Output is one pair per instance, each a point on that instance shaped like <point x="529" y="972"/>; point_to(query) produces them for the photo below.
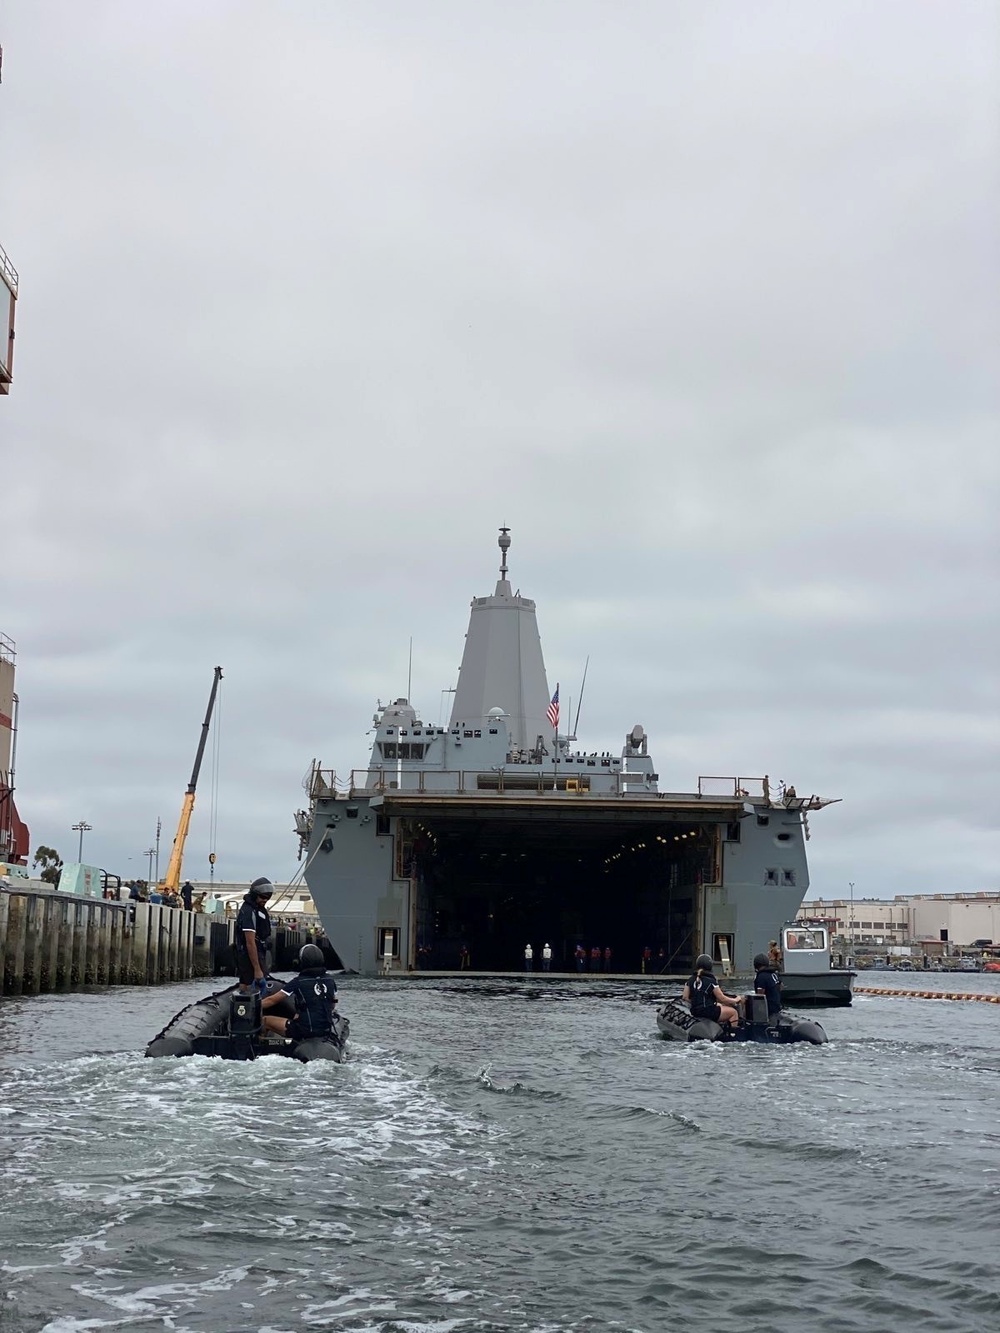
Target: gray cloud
<point x="702" y="303"/>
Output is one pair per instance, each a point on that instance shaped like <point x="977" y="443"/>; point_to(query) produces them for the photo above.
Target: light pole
<point x="851" y="886"/>
<point x="81" y="828"/>
<point x="150" y="853"/>
<point x="158" y="827"/>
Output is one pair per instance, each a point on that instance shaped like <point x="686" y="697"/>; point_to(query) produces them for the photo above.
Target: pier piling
<point x="51" y="941"/>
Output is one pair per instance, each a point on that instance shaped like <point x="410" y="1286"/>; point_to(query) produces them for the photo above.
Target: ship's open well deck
<point x="493" y="874"/>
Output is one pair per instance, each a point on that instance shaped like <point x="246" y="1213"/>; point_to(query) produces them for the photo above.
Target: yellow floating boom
<point x="928" y="994"/>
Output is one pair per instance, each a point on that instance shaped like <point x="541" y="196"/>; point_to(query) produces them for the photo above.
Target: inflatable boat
<point x="228" y="1024"/>
<point x="675" y="1021"/>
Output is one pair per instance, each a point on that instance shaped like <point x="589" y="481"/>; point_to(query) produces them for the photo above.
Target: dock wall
<point x="59" y="942"/>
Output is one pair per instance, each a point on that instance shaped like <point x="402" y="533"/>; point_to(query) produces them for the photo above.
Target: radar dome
<point x="496" y="712"/>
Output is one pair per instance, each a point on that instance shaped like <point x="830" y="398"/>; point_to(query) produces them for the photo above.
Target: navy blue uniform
<point x="252" y="916"/>
<point x="702" y="992"/>
<point x="766" y="979"/>
<point x="314" y="994"/>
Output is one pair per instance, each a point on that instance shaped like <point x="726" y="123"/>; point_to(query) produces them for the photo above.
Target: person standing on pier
<point x="529" y="958"/>
<point x="546" y="957"/>
<point x="580" y="954"/>
<point x="253" y="936"/>
<point x="595" y="958"/>
<point x="187" y="894"/>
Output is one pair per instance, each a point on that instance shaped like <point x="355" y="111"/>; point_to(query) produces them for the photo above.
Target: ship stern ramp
<point x="489" y="873"/>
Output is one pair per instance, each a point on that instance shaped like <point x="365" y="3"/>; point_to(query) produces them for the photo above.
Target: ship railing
<point x="451" y="782"/>
<point x="323" y="783"/>
<point x="753" y="789"/>
<point x="8" y="272"/>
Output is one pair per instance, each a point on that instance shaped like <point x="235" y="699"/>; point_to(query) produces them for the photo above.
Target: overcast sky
<point x="700" y="299"/>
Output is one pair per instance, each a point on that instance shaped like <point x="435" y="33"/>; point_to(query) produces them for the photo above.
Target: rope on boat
<point x="927" y="994"/>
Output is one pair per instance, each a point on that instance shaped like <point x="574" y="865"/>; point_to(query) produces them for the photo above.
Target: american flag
<point x="552" y="712"/>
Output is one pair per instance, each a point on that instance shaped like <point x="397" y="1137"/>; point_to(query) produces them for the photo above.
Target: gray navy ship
<point x="462" y="843"/>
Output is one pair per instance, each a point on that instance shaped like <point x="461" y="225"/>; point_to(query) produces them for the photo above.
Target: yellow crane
<point x="172" y="880"/>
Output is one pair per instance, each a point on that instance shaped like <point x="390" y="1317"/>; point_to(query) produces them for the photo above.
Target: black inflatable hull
<point x="204" y="1028"/>
<point x="675" y="1022"/>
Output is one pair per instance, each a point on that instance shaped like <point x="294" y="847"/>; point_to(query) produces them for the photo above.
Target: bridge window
<point x="733" y="831"/>
<point x="770" y="876"/>
<point x="788" y="877"/>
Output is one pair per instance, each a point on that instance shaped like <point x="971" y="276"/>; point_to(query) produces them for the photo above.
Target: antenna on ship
<point x="503" y="541"/>
<point x="409" y="674"/>
<point x="579" y="702"/>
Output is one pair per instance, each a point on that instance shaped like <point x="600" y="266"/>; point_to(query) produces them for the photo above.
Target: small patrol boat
<point x="228" y="1024"/>
<point x="676" y="1022"/>
<point x="807" y="973"/>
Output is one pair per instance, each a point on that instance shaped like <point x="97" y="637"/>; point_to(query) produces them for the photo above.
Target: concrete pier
<point x="51" y="941"/>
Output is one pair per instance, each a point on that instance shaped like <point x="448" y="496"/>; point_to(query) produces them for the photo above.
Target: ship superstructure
<point x="473" y="839"/>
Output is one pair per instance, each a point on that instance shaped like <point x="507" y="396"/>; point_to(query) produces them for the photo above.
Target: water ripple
<point x="499" y="1159"/>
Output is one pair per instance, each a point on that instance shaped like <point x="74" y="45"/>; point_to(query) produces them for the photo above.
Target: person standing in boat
<point x="767" y="981"/>
<point x="314" y="993"/>
<point x="706" y="997"/>
<point x="253" y="936"/>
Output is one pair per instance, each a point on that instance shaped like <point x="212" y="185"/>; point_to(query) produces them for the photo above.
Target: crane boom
<point x="172" y="880"/>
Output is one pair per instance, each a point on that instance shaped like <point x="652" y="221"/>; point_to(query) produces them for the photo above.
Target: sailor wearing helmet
<point x="253" y="937"/>
<point x="314" y="993"/>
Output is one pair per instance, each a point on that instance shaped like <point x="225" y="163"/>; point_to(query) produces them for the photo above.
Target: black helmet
<point x="261" y="888"/>
<point x="311" y="955"/>
<point x="760" y="960"/>
<point x="703" y="963"/>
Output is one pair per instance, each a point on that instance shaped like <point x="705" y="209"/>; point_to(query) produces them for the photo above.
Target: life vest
<point x="703" y="1001"/>
<point x="769" y="982"/>
<point x="314" y="994"/>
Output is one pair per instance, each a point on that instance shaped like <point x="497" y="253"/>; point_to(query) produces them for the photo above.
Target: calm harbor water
<point x="501" y="1157"/>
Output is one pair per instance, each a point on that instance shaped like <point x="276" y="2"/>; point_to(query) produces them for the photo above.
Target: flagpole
<point x="555" y="742"/>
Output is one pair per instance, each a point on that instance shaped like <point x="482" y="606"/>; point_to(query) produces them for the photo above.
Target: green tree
<point x="51" y="862"/>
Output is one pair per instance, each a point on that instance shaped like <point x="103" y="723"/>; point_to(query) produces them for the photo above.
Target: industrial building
<point x="958" y="919"/>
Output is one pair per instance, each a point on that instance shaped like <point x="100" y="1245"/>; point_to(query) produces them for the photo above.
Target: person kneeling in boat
<point x="706" y="998"/>
<point x="767" y="981"/>
<point x="314" y="994"/>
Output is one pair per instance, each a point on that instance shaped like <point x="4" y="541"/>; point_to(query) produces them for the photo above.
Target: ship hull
<point x="832" y="988"/>
<point x="410" y="881"/>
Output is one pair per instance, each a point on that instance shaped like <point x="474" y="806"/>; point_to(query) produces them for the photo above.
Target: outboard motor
<point x="244" y="1024"/>
<point x="244" y="1016"/>
<point x="757" y="1019"/>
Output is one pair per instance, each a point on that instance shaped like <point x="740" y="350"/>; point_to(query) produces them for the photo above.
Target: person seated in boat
<point x="767" y="981"/>
<point x="706" y="997"/>
<point x="314" y="993"/>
